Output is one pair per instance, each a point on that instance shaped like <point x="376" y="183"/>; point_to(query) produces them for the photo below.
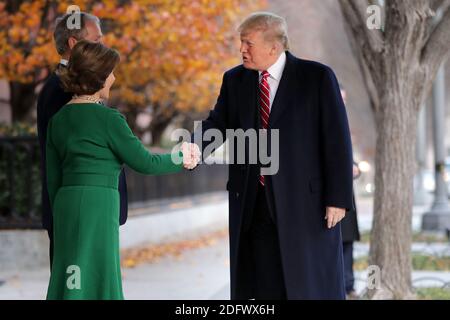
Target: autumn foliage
<point x="173" y="52"/>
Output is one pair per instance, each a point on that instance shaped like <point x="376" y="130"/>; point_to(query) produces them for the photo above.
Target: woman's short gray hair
<point x="273" y="26"/>
<point x="62" y="33"/>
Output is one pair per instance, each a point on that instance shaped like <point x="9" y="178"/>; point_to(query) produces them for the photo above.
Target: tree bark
<point x="399" y="65"/>
<point x="390" y="246"/>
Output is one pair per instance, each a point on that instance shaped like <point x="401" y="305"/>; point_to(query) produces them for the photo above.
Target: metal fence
<point x="203" y="179"/>
<point x="20" y="183"/>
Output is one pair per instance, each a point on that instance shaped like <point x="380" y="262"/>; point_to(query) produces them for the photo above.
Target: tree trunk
<point x="162" y="116"/>
<point x="22" y="100"/>
<point x="157" y="128"/>
<point x="399" y="63"/>
<point x="396" y="127"/>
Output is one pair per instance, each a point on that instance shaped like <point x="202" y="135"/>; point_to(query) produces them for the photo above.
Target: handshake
<point x="191" y="155"/>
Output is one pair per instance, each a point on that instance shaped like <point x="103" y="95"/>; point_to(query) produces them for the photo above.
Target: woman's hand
<point x="191" y="155"/>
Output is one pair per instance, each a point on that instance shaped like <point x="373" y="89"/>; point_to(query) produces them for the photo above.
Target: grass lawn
<point x="419" y="262"/>
<point x="433" y="293"/>
<point x="417" y="237"/>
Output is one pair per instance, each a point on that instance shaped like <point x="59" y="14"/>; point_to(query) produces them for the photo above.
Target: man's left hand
<point x="333" y="216"/>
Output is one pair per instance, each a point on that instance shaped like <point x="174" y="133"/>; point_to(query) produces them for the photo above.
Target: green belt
<point x="88" y="179"/>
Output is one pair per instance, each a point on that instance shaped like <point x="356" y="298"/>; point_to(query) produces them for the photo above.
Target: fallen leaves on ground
<point x="152" y="253"/>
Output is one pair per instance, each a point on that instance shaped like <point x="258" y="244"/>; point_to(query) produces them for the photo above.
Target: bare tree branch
<point x="367" y="45"/>
<point x="437" y="47"/>
<point x="406" y="25"/>
<point x="367" y="76"/>
<point x="354" y="12"/>
<point x="435" y="5"/>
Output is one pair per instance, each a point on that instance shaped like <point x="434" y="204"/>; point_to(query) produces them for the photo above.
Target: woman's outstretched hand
<point x="191" y="155"/>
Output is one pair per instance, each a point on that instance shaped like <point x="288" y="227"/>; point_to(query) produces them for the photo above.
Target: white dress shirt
<point x="275" y="72"/>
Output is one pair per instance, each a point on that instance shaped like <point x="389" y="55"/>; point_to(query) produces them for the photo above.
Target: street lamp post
<point x="420" y="194"/>
<point x="438" y="218"/>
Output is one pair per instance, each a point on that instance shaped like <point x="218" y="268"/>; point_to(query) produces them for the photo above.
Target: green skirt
<point x="86" y="261"/>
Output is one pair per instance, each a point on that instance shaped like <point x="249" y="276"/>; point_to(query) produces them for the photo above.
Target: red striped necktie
<point x="264" y="106"/>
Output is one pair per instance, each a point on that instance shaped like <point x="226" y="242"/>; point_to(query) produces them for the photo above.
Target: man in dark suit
<point x="52" y="97"/>
<point x="350" y="232"/>
<point x="285" y="236"/>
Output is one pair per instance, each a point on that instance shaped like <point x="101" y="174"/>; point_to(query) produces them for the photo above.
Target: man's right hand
<point x="191" y="155"/>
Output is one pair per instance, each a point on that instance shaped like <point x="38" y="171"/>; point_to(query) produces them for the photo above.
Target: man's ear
<point x="275" y="49"/>
<point x="72" y="42"/>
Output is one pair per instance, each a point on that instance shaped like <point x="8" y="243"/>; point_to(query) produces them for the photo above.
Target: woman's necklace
<point x="87" y="97"/>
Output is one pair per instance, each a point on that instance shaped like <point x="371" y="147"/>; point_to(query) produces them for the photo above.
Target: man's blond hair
<point x="273" y="27"/>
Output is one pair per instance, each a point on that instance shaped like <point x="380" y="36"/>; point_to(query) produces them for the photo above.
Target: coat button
<point x="237" y="194"/>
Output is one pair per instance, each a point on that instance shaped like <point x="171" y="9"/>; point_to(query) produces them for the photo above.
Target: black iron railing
<point x="204" y="179"/>
<point x="20" y="182"/>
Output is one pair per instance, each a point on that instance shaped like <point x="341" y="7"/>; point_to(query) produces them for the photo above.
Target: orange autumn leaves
<point x="25" y="43"/>
<point x="173" y="52"/>
<point x="153" y="253"/>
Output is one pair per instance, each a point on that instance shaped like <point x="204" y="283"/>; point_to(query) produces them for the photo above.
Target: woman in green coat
<point x="87" y="143"/>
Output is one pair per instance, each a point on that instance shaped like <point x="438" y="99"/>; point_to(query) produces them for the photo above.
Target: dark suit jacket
<point x="51" y="99"/>
<point x="315" y="171"/>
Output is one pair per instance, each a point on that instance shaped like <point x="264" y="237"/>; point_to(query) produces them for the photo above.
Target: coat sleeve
<point x="53" y="167"/>
<point x="129" y="149"/>
<point x="336" y="144"/>
<point x="217" y="118"/>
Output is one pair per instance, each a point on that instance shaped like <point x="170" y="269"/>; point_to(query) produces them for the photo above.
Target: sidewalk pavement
<point x="200" y="274"/>
<point x="195" y="274"/>
<point x="203" y="273"/>
<point x="364" y="206"/>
